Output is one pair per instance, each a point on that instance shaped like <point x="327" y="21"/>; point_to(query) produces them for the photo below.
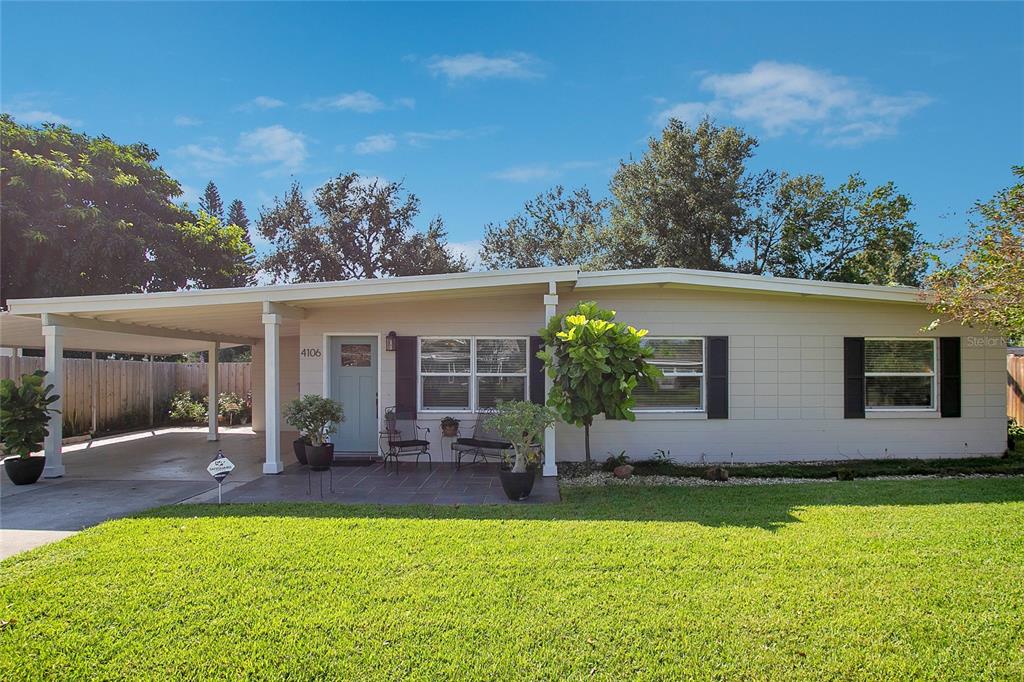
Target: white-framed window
<point x="899" y="374"/>
<point x="681" y="389"/>
<point x="471" y="373"/>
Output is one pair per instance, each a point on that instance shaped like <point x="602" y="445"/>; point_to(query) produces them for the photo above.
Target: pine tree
<point x="211" y="201"/>
<point x="236" y="214"/>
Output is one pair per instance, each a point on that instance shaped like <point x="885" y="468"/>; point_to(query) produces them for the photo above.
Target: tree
<point x="986" y="288"/>
<point x="555" y="228"/>
<point x="71" y="200"/>
<point x="237" y="215"/>
<point x="364" y="231"/>
<point x="595" y="363"/>
<point x="211" y="201"/>
<point x="427" y="253"/>
<point x="798" y="227"/>
<point x="683" y="203"/>
<point x="213" y="248"/>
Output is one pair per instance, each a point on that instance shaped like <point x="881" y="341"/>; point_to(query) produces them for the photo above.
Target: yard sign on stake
<point x="219" y="468"/>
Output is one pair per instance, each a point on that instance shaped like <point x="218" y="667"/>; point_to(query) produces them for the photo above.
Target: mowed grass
<point x="872" y="579"/>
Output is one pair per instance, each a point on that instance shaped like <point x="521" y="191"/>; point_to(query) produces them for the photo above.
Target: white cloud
<point x="469" y="249"/>
<point x="261" y="102"/>
<point x="425" y="138"/>
<point x="475" y="65"/>
<point x="186" y="121"/>
<point x="792" y="98"/>
<point x="275" y="145"/>
<point x="376" y="144"/>
<point x="34" y="109"/>
<point x="526" y="173"/>
<point x="209" y="157"/>
<point x="542" y="171"/>
<point x="360" y="101"/>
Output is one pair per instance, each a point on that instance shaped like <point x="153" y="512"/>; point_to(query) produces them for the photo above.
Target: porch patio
<point x="441" y="484"/>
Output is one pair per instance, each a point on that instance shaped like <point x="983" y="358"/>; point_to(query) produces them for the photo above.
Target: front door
<point x="354" y="384"/>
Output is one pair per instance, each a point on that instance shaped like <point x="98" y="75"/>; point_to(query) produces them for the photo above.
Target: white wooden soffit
<point x="73" y="322"/>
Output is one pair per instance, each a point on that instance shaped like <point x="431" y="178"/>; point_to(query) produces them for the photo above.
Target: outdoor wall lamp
<point x="391" y="341"/>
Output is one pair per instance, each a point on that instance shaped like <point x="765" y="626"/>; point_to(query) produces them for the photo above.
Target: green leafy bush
<point x="522" y="424"/>
<point x="25" y="413"/>
<point x="314" y="416"/>
<point x="229" y="406"/>
<point x="186" y="409"/>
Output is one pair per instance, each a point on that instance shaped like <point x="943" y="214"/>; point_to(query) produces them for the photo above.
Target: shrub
<point x="615" y="461"/>
<point x="522" y="424"/>
<point x="186" y="409"/>
<point x="1014" y="433"/>
<point x="25" y="413"/>
<point x="229" y="406"/>
<point x="314" y="416"/>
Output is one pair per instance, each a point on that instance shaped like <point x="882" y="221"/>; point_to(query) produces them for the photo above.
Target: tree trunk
<point x="520" y="466"/>
<point x="586" y="440"/>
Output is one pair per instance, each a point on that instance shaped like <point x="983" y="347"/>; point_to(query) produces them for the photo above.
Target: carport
<point x="57" y="333"/>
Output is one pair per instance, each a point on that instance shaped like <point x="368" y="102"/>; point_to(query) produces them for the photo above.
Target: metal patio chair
<point x="483" y="444"/>
<point x="403" y="438"/>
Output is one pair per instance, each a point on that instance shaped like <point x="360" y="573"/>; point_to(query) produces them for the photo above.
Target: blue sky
<point x="480" y="107"/>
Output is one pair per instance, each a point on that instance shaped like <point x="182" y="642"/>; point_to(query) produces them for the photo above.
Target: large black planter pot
<point x="300" y="449"/>
<point x="23" y="471"/>
<point x="517" y="486"/>
<point x="319" y="457"/>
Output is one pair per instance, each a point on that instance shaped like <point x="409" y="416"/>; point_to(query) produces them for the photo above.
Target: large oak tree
<point x="86" y="215"/>
<point x="361" y="229"/>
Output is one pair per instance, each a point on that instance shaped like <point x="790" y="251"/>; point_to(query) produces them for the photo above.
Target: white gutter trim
<point x="753" y="283"/>
<point x="283" y="293"/>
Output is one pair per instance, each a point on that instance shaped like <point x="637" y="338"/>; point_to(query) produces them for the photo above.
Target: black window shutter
<point x="853" y="374"/>
<point x="718" y="377"/>
<point x="405" y="377"/>
<point x="536" y="371"/>
<point x="949" y="376"/>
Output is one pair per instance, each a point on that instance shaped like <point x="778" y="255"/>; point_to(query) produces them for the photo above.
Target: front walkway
<point x="413" y="484"/>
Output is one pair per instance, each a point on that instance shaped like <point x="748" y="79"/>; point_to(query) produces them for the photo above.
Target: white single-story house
<point x="756" y="369"/>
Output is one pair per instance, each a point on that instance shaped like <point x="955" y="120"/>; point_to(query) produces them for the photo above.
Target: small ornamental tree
<point x="595" y="364"/>
<point x="314" y="416"/>
<point x="522" y="424"/>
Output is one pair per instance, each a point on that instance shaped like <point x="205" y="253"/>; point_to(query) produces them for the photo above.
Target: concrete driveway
<point x="119" y="476"/>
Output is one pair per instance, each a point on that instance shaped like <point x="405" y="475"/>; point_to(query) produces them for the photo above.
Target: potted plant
<point x="315" y="417"/>
<point x="24" y="415"/>
<point x="449" y="427"/>
<point x="522" y="424"/>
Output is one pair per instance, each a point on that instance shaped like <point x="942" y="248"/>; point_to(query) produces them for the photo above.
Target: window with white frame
<point x="681" y="361"/>
<point x="472" y="373"/>
<point x="899" y="374"/>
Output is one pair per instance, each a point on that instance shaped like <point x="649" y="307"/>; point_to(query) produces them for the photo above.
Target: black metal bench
<point x="483" y="444"/>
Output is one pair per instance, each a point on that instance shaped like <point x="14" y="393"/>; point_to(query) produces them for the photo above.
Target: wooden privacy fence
<point x="1015" y="387"/>
<point x="128" y="391"/>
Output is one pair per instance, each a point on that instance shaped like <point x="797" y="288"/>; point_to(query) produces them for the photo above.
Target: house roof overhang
<point x="175" y="321"/>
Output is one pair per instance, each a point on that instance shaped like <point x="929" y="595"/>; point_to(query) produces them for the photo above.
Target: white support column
<point x="550" y="310"/>
<point x="272" y="388"/>
<point x="94" y="395"/>
<point x="212" y="391"/>
<point x="54" y="365"/>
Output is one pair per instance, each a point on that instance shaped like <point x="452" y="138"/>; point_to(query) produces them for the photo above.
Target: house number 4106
<point x="310" y="352"/>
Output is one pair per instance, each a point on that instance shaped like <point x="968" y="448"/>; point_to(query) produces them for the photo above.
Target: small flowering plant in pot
<point x="522" y="424"/>
<point x="25" y="414"/>
<point x="449" y="427"/>
<point x="315" y="417"/>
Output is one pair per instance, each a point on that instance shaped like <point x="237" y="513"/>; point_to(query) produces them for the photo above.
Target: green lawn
<point x="870" y="579"/>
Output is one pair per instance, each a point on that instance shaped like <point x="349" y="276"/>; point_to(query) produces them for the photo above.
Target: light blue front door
<point x="354" y="384"/>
